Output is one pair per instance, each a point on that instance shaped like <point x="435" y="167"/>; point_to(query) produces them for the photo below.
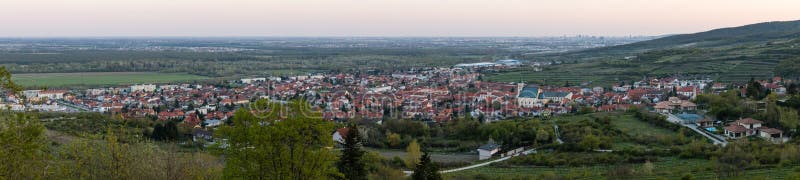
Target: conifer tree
<point x="426" y="169"/>
<point x="351" y="163"/>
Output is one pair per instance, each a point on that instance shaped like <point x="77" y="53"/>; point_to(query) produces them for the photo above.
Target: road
<point x="533" y="150"/>
<point x="558" y="136"/>
<point x="717" y="139"/>
<point x="73" y="106"/>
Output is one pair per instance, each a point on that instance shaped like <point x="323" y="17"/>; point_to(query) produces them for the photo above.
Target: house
<point x="705" y="122"/>
<point x="742" y="128"/>
<point x="718" y="87"/>
<point x="674" y="103"/>
<point x="212" y="123"/>
<point x="771" y="134"/>
<point x="688" y="91"/>
<point x="340" y="134"/>
<point x="202" y="134"/>
<point x="487" y="150"/>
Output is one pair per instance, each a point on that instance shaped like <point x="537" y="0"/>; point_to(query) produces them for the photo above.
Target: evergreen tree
<point x="350" y="163"/>
<point x="674" y="91"/>
<point x="158" y="132"/>
<point x="426" y="169"/>
<point x="171" y="131"/>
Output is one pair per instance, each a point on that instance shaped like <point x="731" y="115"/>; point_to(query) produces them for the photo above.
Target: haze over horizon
<point x="93" y="18"/>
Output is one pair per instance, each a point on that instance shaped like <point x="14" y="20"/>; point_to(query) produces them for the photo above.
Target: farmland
<point x="100" y="78"/>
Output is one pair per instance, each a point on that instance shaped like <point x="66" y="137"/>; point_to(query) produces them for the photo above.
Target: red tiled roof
<point x="736" y="128"/>
<point x="343" y="132"/>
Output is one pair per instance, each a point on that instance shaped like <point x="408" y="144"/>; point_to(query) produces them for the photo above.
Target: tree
<point x="393" y="139"/>
<point x="23" y="152"/>
<point x="590" y="142"/>
<point x="755" y="90"/>
<point x="412" y="154"/>
<point x="6" y="82"/>
<point x="542" y="135"/>
<point x="351" y="163"/>
<point x="166" y="132"/>
<point x="426" y="169"/>
<point x="788" y="118"/>
<point x="289" y="145"/>
<point x="23" y="144"/>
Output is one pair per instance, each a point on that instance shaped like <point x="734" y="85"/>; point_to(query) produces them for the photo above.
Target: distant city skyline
<point x="528" y="18"/>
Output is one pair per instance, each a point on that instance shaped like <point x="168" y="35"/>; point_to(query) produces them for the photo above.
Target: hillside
<point x="727" y="54"/>
<point x="742" y="35"/>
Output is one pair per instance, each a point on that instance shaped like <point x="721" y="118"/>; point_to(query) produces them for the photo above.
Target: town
<point x="432" y="95"/>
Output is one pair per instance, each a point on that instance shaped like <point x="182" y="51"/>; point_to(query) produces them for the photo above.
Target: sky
<point x="88" y="18"/>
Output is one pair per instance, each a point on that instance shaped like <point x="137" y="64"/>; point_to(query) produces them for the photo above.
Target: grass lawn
<point x="100" y="78"/>
<point x="634" y="127"/>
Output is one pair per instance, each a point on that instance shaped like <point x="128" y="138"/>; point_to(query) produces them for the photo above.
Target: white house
<point x="487" y="150"/>
<point x="742" y="128"/>
<point x="340" y="134"/>
<point x="212" y="123"/>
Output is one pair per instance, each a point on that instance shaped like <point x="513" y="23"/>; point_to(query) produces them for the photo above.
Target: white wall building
<point x="143" y="87"/>
<point x="486" y="151"/>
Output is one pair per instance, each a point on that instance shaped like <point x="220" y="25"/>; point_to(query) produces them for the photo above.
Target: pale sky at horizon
<point x="49" y="18"/>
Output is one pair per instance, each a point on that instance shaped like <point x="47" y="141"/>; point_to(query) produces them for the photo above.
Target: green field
<point x="100" y="78"/>
<point x="634" y="127"/>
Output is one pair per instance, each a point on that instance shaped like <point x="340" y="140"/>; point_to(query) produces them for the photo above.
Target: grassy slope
<point x="726" y="55"/>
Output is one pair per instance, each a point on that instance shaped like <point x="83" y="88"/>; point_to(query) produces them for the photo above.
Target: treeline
<point x="29" y="153"/>
<point x="257" y="62"/>
<point x="459" y="135"/>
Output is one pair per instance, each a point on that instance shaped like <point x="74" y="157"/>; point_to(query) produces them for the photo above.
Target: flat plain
<point x="100" y="78"/>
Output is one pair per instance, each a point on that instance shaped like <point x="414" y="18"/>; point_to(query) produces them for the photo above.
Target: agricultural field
<point x="39" y="80"/>
<point x="560" y="75"/>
